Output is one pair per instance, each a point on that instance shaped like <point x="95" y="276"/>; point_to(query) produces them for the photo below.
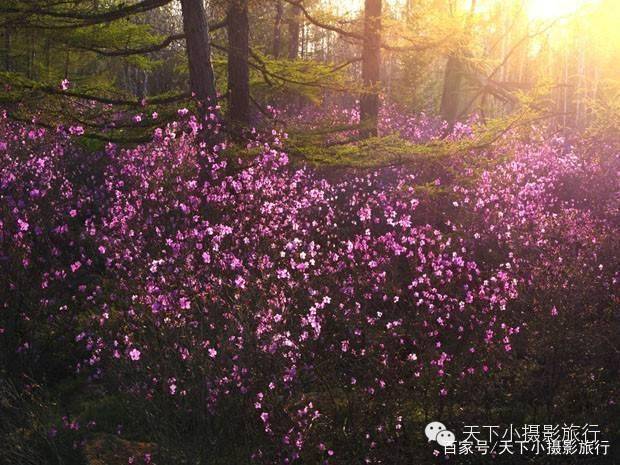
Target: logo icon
<point x="437" y="431"/>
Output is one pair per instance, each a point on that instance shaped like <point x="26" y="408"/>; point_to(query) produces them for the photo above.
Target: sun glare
<point x="551" y="9"/>
<point x="537" y="9"/>
<point x="345" y="6"/>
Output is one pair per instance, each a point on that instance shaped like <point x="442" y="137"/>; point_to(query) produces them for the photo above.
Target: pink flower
<point x="240" y="282"/>
<point x="134" y="354"/>
<point x="64" y="84"/>
<point x="23" y="225"/>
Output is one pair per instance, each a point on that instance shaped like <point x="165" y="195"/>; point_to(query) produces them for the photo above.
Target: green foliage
<point x="28" y="428"/>
<point x="368" y="153"/>
<point x="310" y="79"/>
<point x="606" y="112"/>
<point x="111" y="412"/>
<point x="107" y="449"/>
<point x="107" y="61"/>
<point x="393" y="150"/>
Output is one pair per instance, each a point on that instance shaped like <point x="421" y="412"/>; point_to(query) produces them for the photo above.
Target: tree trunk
<point x="371" y="68"/>
<point x="7" y="49"/>
<point x="67" y="63"/>
<point x="294" y="30"/>
<point x="453" y="77"/>
<point x="276" y="47"/>
<point x="47" y="51"/>
<point x="451" y="90"/>
<point x="30" y="61"/>
<point x="238" y="67"/>
<point x="201" y="76"/>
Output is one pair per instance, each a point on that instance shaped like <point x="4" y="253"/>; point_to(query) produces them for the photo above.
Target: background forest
<point x="298" y="231"/>
<point x="447" y="58"/>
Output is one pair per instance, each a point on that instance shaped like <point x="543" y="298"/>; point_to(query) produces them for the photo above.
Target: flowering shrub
<point x="553" y="207"/>
<point x="414" y="128"/>
<point x="262" y="282"/>
<point x="48" y="187"/>
<point x="318" y="317"/>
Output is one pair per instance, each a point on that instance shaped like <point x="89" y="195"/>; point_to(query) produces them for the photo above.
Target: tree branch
<point x="329" y="27"/>
<point x="135" y="51"/>
<point x="51" y="90"/>
<point x="88" y="19"/>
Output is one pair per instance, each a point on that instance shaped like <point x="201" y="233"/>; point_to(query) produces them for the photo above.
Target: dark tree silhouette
<point x="201" y="75"/>
<point x="276" y="47"/>
<point x="294" y="31"/>
<point x="238" y="66"/>
<point x="371" y="68"/>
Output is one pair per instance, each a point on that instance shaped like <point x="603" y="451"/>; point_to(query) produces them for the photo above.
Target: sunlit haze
<point x="550" y="9"/>
<point x="536" y="9"/>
